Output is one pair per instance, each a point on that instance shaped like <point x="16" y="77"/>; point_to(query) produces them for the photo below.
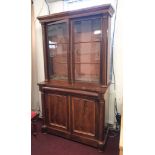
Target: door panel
<point x="86" y="42"/>
<point x="83" y="116"/>
<point x="57" y="111"/>
<point x="57" y="36"/>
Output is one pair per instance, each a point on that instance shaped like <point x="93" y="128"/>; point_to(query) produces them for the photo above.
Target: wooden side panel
<point x="104" y="52"/>
<point x="109" y="51"/>
<point x="83" y="116"/>
<point x="57" y="111"/>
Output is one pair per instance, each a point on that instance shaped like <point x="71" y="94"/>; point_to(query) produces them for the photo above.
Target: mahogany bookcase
<point x="77" y="58"/>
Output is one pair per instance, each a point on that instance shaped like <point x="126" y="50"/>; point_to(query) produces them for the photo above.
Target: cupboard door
<point x="83" y="116"/>
<point x="57" y="111"/>
<point x="57" y="36"/>
<point x="87" y="39"/>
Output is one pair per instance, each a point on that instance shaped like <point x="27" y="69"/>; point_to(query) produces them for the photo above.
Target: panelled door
<point x="84" y="120"/>
<point x="58" y="113"/>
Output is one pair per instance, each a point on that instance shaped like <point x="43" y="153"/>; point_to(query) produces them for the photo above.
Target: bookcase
<point x="77" y="58"/>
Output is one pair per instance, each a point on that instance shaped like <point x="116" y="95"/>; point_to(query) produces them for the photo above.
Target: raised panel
<point x="83" y="116"/>
<point x="58" y="110"/>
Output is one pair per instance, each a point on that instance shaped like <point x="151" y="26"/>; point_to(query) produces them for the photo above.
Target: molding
<point x="105" y="9"/>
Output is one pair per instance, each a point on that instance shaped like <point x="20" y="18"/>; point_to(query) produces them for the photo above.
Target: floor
<point x="46" y="144"/>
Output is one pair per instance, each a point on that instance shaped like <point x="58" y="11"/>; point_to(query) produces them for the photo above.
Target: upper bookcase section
<point x="105" y="9"/>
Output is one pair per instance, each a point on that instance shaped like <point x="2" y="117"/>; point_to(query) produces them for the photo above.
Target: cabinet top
<point x="106" y="9"/>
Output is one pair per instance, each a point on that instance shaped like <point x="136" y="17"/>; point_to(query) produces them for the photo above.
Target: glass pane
<point x="57" y="33"/>
<point x="59" y="71"/>
<point x="58" y="46"/>
<point x="58" y="61"/>
<point x="87" y="52"/>
<point x="87" y="61"/>
<point x="58" y="52"/>
<point x="87" y="30"/>
<point x="87" y="47"/>
<point x="96" y="29"/>
<point x="82" y="31"/>
<point x="87" y="72"/>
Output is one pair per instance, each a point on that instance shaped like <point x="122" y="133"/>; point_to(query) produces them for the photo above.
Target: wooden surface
<point x="103" y="70"/>
<point x="74" y="115"/>
<point x="57" y="111"/>
<point x="92" y="87"/>
<point x="83" y="111"/>
<point x="104" y="9"/>
<point x="74" y="108"/>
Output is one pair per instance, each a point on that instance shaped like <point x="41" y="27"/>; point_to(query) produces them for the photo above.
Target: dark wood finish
<point x="103" y="9"/>
<point x="83" y="111"/>
<point x="76" y="109"/>
<point x="68" y="53"/>
<point x="57" y="111"/>
<point x="105" y="47"/>
<point x="109" y="52"/>
<point x="45" y="51"/>
<point x="91" y="87"/>
<point x="44" y="112"/>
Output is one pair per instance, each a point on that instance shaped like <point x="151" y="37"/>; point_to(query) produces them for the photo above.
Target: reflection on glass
<point x="87" y="30"/>
<point x="96" y="29"/>
<point x="87" y="52"/>
<point x="83" y="31"/>
<point x="87" y="61"/>
<point x="87" y="72"/>
<point x="87" y="45"/>
<point x="59" y="71"/>
<point x="96" y="32"/>
<point x="59" y="54"/>
<point x="58" y="44"/>
<point x="57" y="33"/>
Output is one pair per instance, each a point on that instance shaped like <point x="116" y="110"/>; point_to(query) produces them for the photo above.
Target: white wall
<point x="34" y="92"/>
<point x="117" y="90"/>
<point x="40" y="8"/>
<point x="118" y="56"/>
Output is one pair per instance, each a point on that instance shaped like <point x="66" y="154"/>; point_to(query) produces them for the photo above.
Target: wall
<point x="116" y="91"/>
<point x="40" y="8"/>
<point x="34" y="89"/>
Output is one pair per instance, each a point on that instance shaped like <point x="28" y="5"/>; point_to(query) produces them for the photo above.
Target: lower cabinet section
<point x="76" y="117"/>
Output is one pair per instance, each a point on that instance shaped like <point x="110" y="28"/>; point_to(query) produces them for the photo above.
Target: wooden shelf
<point x="91" y="63"/>
<point x="87" y="42"/>
<point x="59" y="62"/>
<point x="58" y="43"/>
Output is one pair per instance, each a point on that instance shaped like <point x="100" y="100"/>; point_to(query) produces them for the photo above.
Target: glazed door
<point x="57" y="107"/>
<point x="58" y="45"/>
<point x="84" y="120"/>
<point x="86" y="47"/>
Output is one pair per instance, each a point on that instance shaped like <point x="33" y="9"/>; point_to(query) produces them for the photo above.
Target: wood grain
<point x="75" y="108"/>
